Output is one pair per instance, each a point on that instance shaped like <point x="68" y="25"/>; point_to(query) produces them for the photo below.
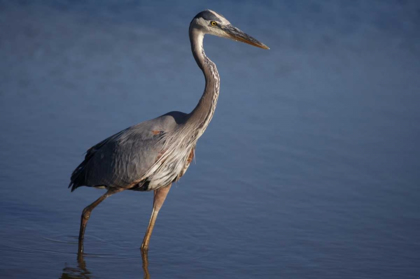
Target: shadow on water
<point x="82" y="272"/>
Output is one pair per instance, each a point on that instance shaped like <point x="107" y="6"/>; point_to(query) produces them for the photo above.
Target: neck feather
<point x="202" y="114"/>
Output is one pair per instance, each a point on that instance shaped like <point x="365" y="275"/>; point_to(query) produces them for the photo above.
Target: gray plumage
<point x="123" y="160"/>
<point x="153" y="154"/>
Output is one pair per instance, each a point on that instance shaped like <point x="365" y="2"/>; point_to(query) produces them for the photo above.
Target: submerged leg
<point x="86" y="214"/>
<point x="159" y="198"/>
<point x="145" y="264"/>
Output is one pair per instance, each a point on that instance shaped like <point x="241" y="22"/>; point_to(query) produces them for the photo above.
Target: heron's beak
<point x="238" y="35"/>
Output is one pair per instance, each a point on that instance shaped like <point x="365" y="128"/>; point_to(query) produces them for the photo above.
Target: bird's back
<point x="122" y="160"/>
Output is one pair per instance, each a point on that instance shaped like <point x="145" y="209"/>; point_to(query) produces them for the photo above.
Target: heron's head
<point x="210" y="22"/>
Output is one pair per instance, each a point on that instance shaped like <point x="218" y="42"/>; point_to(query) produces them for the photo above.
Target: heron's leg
<point x="159" y="198"/>
<point x="86" y="214"/>
<point x="145" y="265"/>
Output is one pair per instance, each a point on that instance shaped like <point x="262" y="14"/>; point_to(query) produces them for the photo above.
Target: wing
<point x="125" y="157"/>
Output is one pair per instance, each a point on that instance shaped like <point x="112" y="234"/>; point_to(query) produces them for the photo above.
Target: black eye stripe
<point x="207" y="15"/>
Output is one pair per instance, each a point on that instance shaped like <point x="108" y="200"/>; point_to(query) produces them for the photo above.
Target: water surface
<point x="309" y="168"/>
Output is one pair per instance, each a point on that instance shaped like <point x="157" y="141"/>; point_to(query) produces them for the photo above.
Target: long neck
<point x="202" y="114"/>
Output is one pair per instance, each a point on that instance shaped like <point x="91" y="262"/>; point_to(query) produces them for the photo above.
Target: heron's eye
<point x="213" y="23"/>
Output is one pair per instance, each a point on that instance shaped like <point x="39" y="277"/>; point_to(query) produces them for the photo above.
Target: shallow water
<point x="309" y="168"/>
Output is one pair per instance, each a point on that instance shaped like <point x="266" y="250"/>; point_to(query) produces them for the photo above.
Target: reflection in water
<point x="145" y="260"/>
<point x="81" y="271"/>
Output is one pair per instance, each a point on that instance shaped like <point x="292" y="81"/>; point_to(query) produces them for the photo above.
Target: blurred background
<point x="309" y="169"/>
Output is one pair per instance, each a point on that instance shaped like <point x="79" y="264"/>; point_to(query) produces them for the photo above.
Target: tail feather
<point x="78" y="177"/>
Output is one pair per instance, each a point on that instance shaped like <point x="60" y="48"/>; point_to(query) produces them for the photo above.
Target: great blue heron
<point x="153" y="154"/>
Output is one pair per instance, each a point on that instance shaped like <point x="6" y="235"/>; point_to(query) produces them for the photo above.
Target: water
<point x="309" y="169"/>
